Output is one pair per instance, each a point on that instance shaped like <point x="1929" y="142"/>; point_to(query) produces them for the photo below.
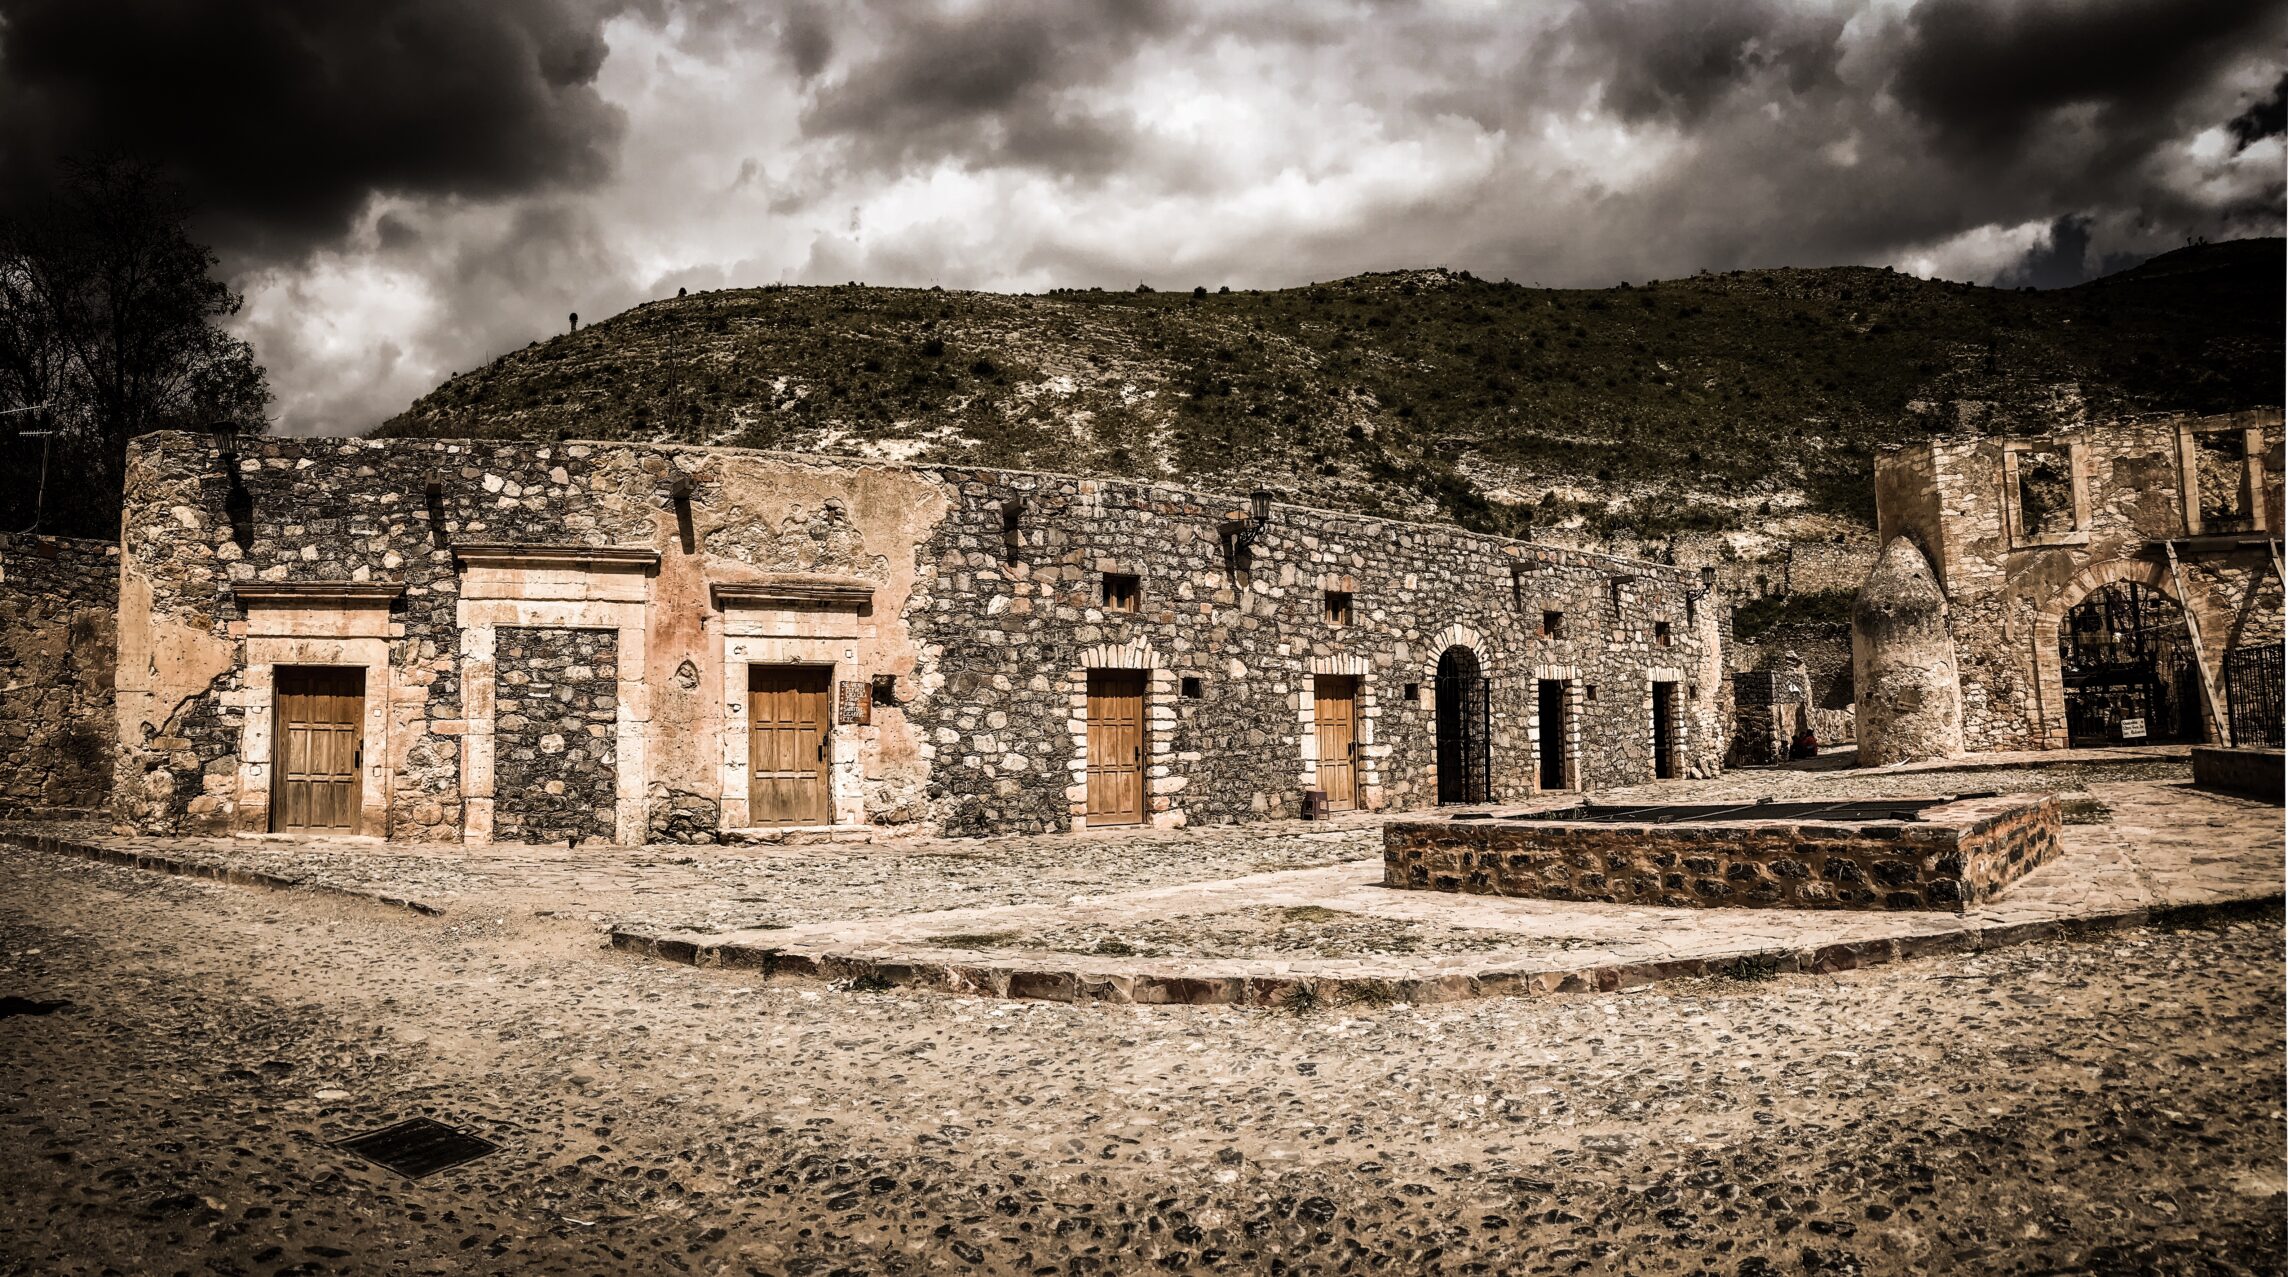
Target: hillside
<point x="1750" y="401"/>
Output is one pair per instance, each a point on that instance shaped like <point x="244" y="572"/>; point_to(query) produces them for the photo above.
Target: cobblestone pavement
<point x="2109" y="1105"/>
<point x="1243" y="914"/>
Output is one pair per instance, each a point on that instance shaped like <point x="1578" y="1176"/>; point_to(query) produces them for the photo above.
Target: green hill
<point x="1627" y="414"/>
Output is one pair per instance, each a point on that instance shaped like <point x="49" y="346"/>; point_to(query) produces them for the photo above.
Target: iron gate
<point x="2127" y="667"/>
<point x="2252" y="693"/>
<point x="1465" y="729"/>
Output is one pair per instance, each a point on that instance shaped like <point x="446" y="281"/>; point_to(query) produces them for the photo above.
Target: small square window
<point x="1338" y="607"/>
<point x="1660" y="634"/>
<point x="1121" y="592"/>
<point x="885" y="689"/>
<point x="1414" y="693"/>
<point x="1191" y="689"/>
<point x="1552" y="625"/>
<point x="1589" y="692"/>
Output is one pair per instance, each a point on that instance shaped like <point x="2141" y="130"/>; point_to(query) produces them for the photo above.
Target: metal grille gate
<point x="1465" y="729"/>
<point x="2252" y="693"/>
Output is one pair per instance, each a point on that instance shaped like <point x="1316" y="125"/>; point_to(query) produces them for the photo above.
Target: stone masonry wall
<point x="2007" y="586"/>
<point x="554" y="768"/>
<point x="974" y="660"/>
<point x="59" y="604"/>
<point x="1959" y="855"/>
<point x="1005" y="643"/>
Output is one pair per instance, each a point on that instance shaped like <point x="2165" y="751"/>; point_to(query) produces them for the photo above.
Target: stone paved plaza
<point x="2106" y="1105"/>
<point x="1248" y="914"/>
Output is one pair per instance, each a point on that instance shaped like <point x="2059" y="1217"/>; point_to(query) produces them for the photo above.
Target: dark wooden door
<point x="1664" y="731"/>
<point x="787" y="727"/>
<point x="1116" y="747"/>
<point x="317" y="749"/>
<point x="1552" y="706"/>
<point x="1336" y="697"/>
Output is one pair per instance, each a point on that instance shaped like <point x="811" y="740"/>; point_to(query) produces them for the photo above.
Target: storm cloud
<point x="408" y="187"/>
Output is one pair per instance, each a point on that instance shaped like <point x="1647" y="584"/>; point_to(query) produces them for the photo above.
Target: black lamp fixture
<point x="1244" y="532"/>
<point x="226" y="442"/>
<point x="1707" y="583"/>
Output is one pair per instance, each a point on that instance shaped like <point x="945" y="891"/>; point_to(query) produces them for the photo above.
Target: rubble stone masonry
<point x="1956" y="856"/>
<point x="59" y="601"/>
<point x="956" y="612"/>
<point x="2019" y="530"/>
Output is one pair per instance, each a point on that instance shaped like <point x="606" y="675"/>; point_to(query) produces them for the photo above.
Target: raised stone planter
<point x="1948" y="857"/>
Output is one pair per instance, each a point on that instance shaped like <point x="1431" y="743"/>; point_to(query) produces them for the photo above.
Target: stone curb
<point x="204" y="869"/>
<point x="1053" y="984"/>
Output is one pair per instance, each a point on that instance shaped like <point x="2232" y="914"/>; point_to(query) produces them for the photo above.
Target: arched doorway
<point x="1465" y="729"/>
<point x="2127" y="667"/>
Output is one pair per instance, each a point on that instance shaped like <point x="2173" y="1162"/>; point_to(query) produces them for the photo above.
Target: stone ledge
<point x="1241" y="983"/>
<point x="189" y="867"/>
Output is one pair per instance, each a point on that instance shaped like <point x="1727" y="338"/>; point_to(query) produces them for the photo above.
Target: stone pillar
<point x="1902" y="658"/>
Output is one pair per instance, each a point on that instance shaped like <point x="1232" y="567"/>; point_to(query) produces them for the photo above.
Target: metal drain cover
<point x="418" y="1146"/>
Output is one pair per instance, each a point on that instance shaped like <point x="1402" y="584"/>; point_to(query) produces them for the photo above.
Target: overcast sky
<point x="406" y="188"/>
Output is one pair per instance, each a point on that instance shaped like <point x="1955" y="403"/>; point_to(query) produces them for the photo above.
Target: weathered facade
<point x="59" y="599"/>
<point x="2070" y="564"/>
<point x="652" y="643"/>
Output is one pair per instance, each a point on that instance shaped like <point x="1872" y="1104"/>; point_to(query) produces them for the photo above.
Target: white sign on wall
<point x="2133" y="729"/>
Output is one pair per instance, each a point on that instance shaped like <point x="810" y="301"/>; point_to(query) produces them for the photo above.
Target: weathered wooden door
<point x="317" y="749"/>
<point x="787" y="763"/>
<point x="1115" y="747"/>
<point x="1336" y="698"/>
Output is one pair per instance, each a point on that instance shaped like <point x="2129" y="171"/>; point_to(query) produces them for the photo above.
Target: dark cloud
<point x="1675" y="63"/>
<point x="283" y="118"/>
<point x="1987" y="75"/>
<point x="2268" y="118"/>
<point x="997" y="83"/>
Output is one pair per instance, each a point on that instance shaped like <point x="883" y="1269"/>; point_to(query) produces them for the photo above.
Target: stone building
<point x="550" y="642"/>
<point x="2097" y="583"/>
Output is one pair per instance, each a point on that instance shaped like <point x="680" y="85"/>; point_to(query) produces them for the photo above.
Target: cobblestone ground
<point x="2105" y="1106"/>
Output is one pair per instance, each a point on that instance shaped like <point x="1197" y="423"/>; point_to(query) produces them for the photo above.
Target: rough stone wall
<point x="59" y="603"/>
<point x="2007" y="586"/>
<point x="975" y="657"/>
<point x="1960" y="855"/>
<point x="1005" y="641"/>
<point x="555" y="771"/>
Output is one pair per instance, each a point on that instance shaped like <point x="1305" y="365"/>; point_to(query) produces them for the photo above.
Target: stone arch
<point x="2153" y="574"/>
<point x="1135" y="654"/>
<point x="1456" y="635"/>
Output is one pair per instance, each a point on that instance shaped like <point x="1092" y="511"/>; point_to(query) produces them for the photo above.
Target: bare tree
<point x="110" y="327"/>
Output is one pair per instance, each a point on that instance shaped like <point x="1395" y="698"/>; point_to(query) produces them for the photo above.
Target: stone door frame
<point x="1162" y="784"/>
<point x="810" y="621"/>
<point x="2049" y="676"/>
<point x="336" y="623"/>
<point x="554" y="587"/>
<point x="1679" y="731"/>
<point x="1366" y="713"/>
<point x="1569" y="676"/>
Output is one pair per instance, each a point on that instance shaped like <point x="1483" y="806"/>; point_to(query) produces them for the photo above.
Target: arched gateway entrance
<point x="2127" y="666"/>
<point x="1465" y="729"/>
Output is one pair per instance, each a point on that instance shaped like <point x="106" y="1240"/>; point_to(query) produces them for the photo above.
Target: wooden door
<point x="317" y="749"/>
<point x="1336" y="697"/>
<point x="787" y="727"/>
<point x="1116" y="747"/>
